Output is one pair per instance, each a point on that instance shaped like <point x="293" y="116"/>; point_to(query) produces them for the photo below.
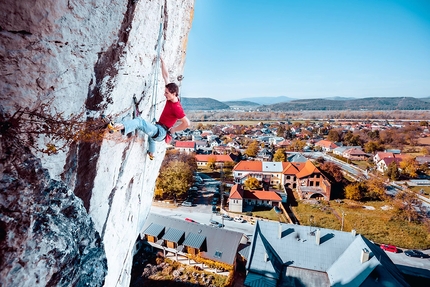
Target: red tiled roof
<point x="307" y="169"/>
<point x="326" y="143"/>
<point x="262" y="195"/>
<point x="247" y="165"/>
<point x="236" y="192"/>
<point x="219" y="158"/>
<point x="185" y="144"/>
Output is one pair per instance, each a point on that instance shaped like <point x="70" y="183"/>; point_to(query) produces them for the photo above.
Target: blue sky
<point x="308" y="49"/>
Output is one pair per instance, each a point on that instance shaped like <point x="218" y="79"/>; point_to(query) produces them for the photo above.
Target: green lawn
<point x="376" y="224"/>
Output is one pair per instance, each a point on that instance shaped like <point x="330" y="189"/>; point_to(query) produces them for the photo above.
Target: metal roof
<point x="216" y="238"/>
<point x="154" y="229"/>
<point x="173" y="235"/>
<point x="194" y="240"/>
<point x="335" y="257"/>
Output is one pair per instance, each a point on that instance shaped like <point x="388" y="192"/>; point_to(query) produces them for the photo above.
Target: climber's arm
<point x="185" y="123"/>
<point x="164" y="72"/>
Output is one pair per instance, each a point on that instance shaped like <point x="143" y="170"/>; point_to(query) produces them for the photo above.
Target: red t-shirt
<point x="171" y="113"/>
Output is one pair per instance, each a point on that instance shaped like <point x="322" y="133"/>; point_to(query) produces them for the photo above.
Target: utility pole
<point x="343" y="216"/>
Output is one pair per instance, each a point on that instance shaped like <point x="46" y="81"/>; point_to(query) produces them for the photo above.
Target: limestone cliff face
<point x="71" y="216"/>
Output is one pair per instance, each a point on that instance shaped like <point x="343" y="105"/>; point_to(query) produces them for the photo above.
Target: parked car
<point x="390" y="248"/>
<point x="216" y="224"/>
<point x="226" y="217"/>
<point x="190" y="220"/>
<point x="277" y="209"/>
<point x="187" y="203"/>
<point x="214" y="201"/>
<point x="415" y="253"/>
<point x="238" y="219"/>
<point x="214" y="209"/>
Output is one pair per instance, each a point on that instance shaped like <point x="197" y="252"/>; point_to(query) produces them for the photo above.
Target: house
<point x="307" y="180"/>
<point x="203" y="159"/>
<point x="185" y="146"/>
<point x="304" y="177"/>
<point x="327" y="146"/>
<point x="298" y="255"/>
<point x="383" y="164"/>
<point x="265" y="171"/>
<point x="296" y="157"/>
<point x="181" y="237"/>
<point x="355" y="154"/>
<point x="423" y="160"/>
<point x="380" y="155"/>
<point x="240" y="198"/>
<point x="340" y="150"/>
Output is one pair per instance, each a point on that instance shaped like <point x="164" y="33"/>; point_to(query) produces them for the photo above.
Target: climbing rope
<point x="157" y="68"/>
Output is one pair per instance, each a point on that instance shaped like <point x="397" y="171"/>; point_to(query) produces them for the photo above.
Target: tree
<point x="375" y="188"/>
<point x="252" y="149"/>
<point x="279" y="155"/>
<point x="333" y="135"/>
<point x="407" y="204"/>
<point x="392" y="171"/>
<point x="297" y="145"/>
<point x="212" y="162"/>
<point x="372" y="146"/>
<point x="333" y="170"/>
<point x="353" y="191"/>
<point x="409" y="167"/>
<point x="174" y="179"/>
<point x="251" y="184"/>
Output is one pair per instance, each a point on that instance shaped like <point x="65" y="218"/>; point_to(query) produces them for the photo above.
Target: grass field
<point x="375" y="220"/>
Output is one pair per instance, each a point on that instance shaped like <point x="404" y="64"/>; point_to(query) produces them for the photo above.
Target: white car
<point x="187" y="203"/>
<point x="238" y="219"/>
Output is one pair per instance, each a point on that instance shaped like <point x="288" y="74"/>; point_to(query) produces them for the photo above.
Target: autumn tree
<point x="212" y="162"/>
<point x="333" y="170"/>
<point x="355" y="191"/>
<point x="392" y="171"/>
<point x="333" y="135"/>
<point x="252" y="184"/>
<point x="407" y="205"/>
<point x="409" y="167"/>
<point x="174" y="179"/>
<point x="279" y="155"/>
<point x="252" y="149"/>
<point x="375" y="188"/>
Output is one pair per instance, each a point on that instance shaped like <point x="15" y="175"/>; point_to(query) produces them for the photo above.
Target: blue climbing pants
<point x="148" y="128"/>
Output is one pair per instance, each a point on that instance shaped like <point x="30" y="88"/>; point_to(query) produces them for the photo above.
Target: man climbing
<point x="165" y="127"/>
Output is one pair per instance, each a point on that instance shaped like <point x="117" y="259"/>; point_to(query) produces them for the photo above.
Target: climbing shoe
<point x="113" y="127"/>
<point x="151" y="156"/>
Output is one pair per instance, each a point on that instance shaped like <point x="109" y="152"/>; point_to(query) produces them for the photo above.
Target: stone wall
<point x="81" y="59"/>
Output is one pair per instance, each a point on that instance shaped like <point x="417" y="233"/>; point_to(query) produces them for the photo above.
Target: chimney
<point x="318" y="236"/>
<point x="353" y="232"/>
<point x="364" y="255"/>
<point x="280" y="231"/>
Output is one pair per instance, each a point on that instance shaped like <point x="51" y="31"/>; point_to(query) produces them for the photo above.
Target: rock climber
<point x="168" y="123"/>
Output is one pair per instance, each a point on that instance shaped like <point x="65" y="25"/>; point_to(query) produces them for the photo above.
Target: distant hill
<point x="202" y="104"/>
<point x="267" y="100"/>
<point x="400" y="103"/>
<point x="339" y="98"/>
<point x="425" y="99"/>
<point x="241" y="104"/>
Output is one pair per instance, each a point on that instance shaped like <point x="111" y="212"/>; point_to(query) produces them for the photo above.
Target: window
<point x="218" y="254"/>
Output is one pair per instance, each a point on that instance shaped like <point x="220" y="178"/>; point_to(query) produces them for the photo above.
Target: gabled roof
<point x="185" y="144"/>
<point x="307" y="169"/>
<point x="334" y="261"/>
<point x="326" y="144"/>
<point x="383" y="155"/>
<point x="354" y="151"/>
<point x="262" y="195"/>
<point x="297" y="158"/>
<point x="236" y="192"/>
<point x="219" y="244"/>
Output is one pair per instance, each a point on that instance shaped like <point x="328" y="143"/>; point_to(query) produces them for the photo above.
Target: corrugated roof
<point x="173" y="235"/>
<point x="154" y="230"/>
<point x="194" y="240"/>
